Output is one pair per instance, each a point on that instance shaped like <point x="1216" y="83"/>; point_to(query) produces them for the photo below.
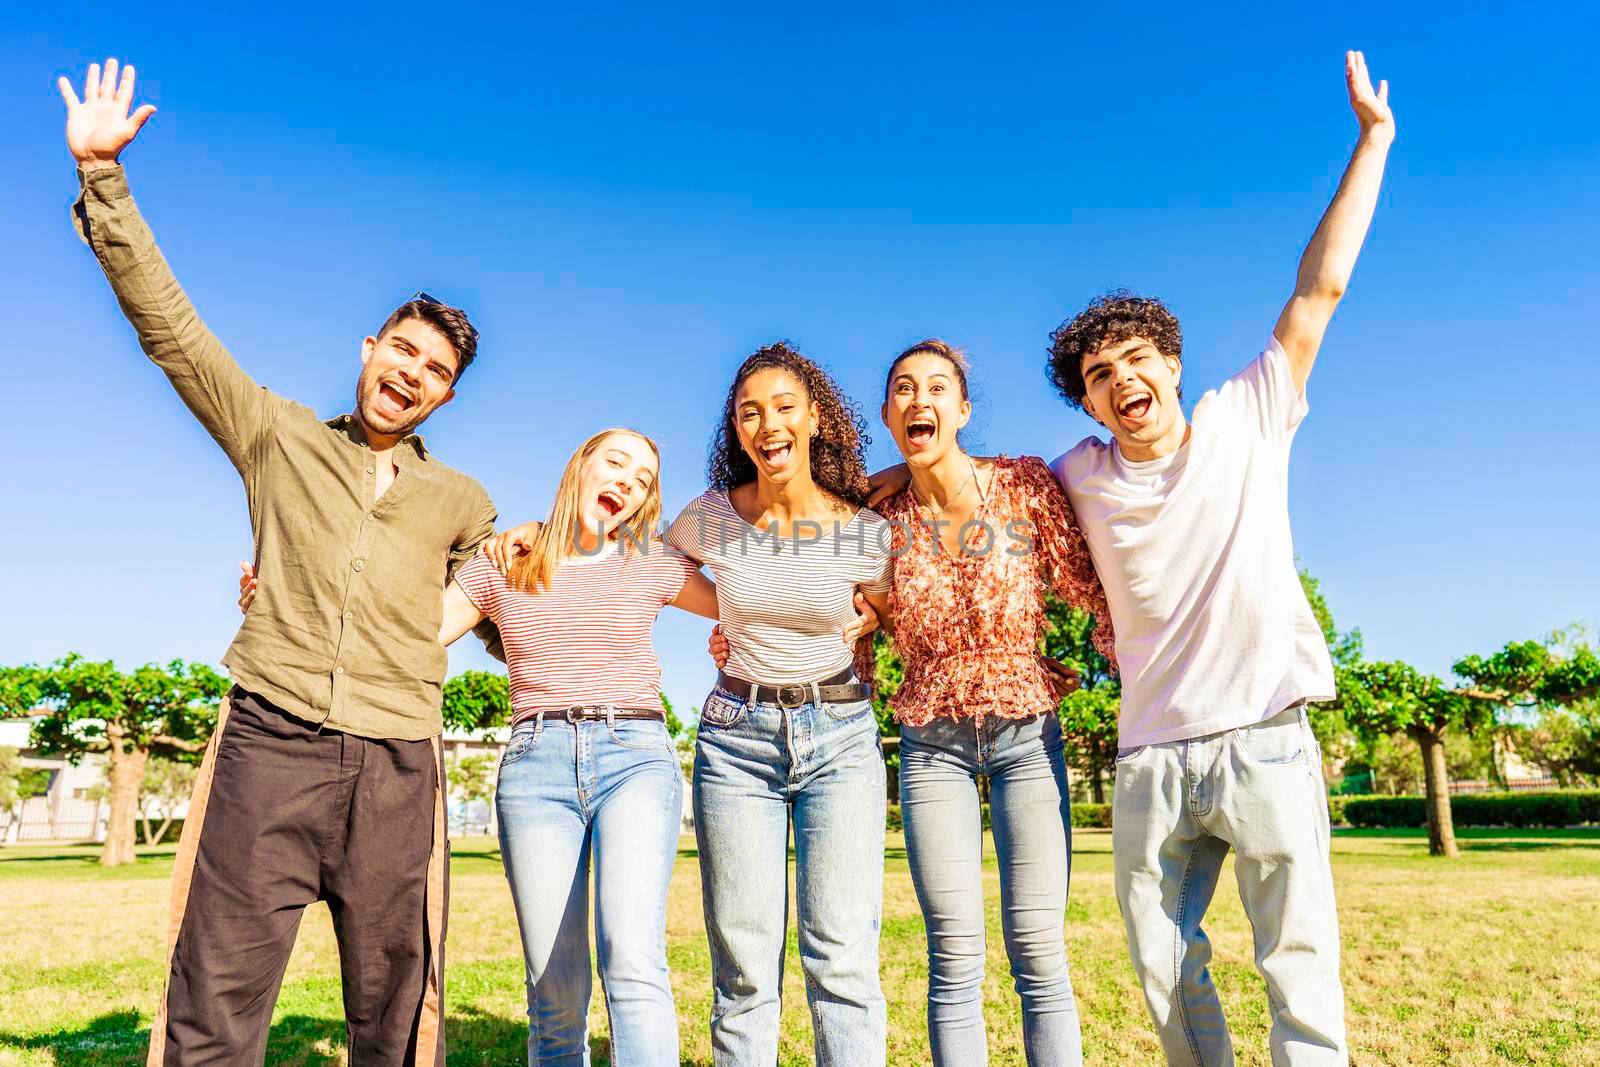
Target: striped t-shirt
<point x="585" y="639"/>
<point x="784" y="601"/>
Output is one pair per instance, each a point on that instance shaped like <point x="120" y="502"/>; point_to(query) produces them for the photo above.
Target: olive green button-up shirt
<point x="344" y="630"/>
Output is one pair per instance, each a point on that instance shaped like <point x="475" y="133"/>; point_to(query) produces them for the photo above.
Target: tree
<point x="477" y="700"/>
<point x="1383" y="698"/>
<point x="1559" y="680"/>
<point x="92" y="707"/>
<point x="474" y="778"/>
<point x="166" y="784"/>
<point x="1089" y="714"/>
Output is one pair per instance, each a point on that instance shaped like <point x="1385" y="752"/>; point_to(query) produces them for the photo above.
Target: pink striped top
<point x="586" y="638"/>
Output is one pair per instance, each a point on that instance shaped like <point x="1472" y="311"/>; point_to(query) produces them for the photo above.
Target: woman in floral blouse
<point x="978" y="543"/>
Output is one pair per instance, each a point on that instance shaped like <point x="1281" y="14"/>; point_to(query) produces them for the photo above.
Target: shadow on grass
<point x="120" y="1038"/>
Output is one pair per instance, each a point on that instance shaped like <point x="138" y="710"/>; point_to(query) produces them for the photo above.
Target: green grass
<point x="1492" y="958"/>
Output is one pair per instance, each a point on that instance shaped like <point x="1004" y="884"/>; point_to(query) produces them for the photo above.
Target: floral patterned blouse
<point x="967" y="627"/>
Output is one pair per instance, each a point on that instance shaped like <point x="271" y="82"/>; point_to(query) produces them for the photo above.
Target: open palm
<point x="1371" y="108"/>
<point x="99" y="126"/>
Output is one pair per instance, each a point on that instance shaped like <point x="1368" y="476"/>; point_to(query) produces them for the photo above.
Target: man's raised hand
<point x="99" y="126"/>
<point x="1371" y="107"/>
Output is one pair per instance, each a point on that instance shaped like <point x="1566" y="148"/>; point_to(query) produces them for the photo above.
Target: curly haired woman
<point x="789" y="731"/>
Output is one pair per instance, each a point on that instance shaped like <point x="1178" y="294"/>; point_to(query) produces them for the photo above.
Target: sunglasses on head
<point x="436" y="302"/>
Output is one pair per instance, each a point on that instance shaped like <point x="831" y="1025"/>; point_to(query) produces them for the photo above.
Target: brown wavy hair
<point x="1109" y="318"/>
<point x="838" y="452"/>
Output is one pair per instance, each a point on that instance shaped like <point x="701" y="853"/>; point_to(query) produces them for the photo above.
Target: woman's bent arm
<point x="460" y="614"/>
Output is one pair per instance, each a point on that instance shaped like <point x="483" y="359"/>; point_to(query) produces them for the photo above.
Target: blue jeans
<point x="756" y="766"/>
<point x="1029" y="811"/>
<point x="613" y="793"/>
<point x="1180" y="807"/>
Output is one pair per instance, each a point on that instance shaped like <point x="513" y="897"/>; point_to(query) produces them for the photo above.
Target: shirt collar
<point x="351" y="427"/>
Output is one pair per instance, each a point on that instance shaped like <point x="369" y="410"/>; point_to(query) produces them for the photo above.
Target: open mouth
<point x="777" y="455"/>
<point x="611" y="503"/>
<point x="920" y="431"/>
<point x="395" y="399"/>
<point x="1135" y="406"/>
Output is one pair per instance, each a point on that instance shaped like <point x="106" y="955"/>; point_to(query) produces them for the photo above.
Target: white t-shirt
<point x="1213" y="628"/>
<point x="784" y="601"/>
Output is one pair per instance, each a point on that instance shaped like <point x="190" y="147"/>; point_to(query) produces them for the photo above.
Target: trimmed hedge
<point x="1085" y="814"/>
<point x="1554" y="809"/>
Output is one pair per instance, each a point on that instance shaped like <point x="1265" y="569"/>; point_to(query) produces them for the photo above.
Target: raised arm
<point x="235" y="410"/>
<point x="1331" y="256"/>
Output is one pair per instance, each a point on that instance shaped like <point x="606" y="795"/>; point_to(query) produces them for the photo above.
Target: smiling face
<point x="615" y="481"/>
<point x="406" y="375"/>
<point x="1131" y="388"/>
<point x="925" y="407"/>
<point x="776" y="421"/>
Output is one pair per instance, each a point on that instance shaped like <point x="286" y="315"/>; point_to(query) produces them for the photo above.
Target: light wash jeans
<point x="756" y="766"/>
<point x="1179" y="808"/>
<point x="613" y="793"/>
<point x="1030" y="813"/>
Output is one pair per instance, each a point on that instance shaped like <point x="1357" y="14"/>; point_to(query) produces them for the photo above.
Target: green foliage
<point x="476" y="700"/>
<point x="1389" y="697"/>
<point x="473" y="777"/>
<point x="1084" y="815"/>
<point x="1566" y="740"/>
<point x="1554" y="809"/>
<point x="166" y="784"/>
<point x="888" y="675"/>
<point x="10" y="768"/>
<point x="1088" y="714"/>
<point x="92" y="707"/>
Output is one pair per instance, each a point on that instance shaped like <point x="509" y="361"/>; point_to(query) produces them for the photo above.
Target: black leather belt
<point x="842" y="688"/>
<point x="602" y="712"/>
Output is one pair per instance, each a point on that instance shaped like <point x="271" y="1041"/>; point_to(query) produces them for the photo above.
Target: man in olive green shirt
<point x="323" y="780"/>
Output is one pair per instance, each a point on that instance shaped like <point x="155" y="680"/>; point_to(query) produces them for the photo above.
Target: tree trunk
<point x="125" y="774"/>
<point x="1097" y="785"/>
<point x="1436" y="782"/>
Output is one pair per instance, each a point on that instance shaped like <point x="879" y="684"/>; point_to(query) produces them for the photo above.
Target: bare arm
<point x="698" y="596"/>
<point x="460" y="614"/>
<point x="1330" y="258"/>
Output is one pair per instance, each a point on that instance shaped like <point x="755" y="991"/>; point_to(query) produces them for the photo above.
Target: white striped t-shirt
<point x="585" y="639"/>
<point x="784" y="601"/>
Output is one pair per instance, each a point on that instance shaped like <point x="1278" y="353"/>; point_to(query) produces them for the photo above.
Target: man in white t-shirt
<point x="1188" y="523"/>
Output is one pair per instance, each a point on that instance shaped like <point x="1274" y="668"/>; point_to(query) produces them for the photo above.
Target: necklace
<point x="935" y="509"/>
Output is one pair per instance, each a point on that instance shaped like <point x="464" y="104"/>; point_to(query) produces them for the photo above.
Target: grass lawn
<point x="1492" y="958"/>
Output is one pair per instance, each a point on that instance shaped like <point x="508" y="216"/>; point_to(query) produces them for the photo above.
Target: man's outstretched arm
<point x="1331" y="256"/>
<point x="232" y="408"/>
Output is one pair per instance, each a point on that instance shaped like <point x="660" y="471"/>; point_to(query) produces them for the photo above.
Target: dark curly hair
<point x="838" y="458"/>
<point x="1109" y="318"/>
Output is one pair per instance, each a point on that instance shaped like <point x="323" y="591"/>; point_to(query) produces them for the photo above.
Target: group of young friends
<point x="324" y="779"/>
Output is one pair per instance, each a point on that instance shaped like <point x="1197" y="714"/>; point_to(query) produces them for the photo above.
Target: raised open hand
<point x="1371" y="108"/>
<point x="99" y="126"/>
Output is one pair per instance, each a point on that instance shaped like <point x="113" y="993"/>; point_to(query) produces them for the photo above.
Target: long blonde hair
<point x="533" y="570"/>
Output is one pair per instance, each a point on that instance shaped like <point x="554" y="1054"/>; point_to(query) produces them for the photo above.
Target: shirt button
<point x="338" y="670"/>
<point x="349" y="615"/>
<point x="358" y="564"/>
<point x="369" y="470"/>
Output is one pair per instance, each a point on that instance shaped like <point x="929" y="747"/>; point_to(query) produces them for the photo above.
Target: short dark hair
<point x="1110" y="317"/>
<point x="450" y="321"/>
<point x="933" y="347"/>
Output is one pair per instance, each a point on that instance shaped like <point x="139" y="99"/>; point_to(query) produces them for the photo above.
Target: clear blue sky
<point x="631" y="200"/>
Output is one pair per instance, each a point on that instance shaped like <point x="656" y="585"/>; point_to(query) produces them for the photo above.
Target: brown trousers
<point x="283" y="815"/>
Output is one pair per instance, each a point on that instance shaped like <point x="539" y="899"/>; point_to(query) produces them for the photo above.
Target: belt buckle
<point x="800" y="693"/>
<point x="568" y="715"/>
